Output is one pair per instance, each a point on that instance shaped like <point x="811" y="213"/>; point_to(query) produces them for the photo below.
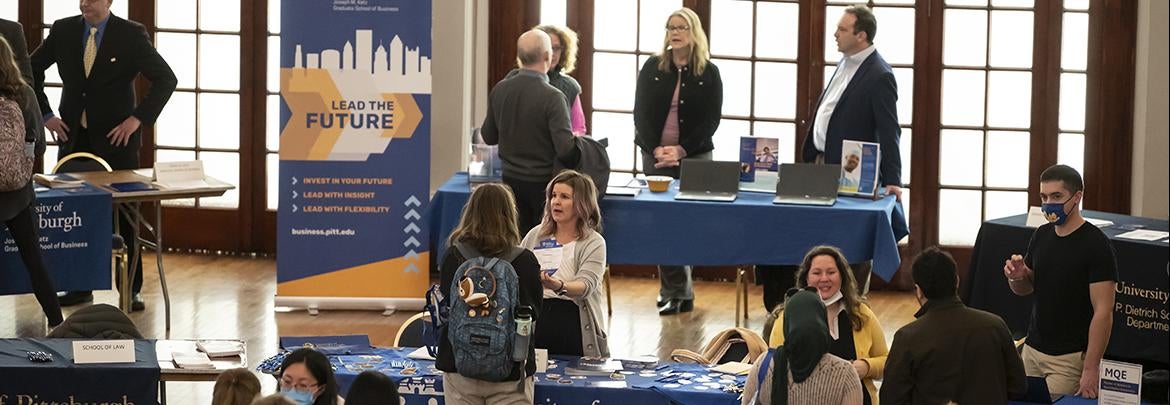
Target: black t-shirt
<point x="530" y="293"/>
<point x="1062" y="269"/>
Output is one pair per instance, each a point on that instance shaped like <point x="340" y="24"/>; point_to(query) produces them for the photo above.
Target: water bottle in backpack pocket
<point x="524" y="328"/>
<point x="482" y="324"/>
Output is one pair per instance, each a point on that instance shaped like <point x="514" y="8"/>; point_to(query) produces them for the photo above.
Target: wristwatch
<point x="561" y="290"/>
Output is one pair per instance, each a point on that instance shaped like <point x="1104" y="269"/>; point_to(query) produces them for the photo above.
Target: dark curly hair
<point x="849" y="291"/>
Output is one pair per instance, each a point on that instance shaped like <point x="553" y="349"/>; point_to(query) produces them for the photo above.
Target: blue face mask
<point x="300" y="397"/>
<point x="1055" y="213"/>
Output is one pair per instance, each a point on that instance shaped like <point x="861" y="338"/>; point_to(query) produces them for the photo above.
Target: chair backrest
<point x="81" y="162"/>
<point x="410" y="333"/>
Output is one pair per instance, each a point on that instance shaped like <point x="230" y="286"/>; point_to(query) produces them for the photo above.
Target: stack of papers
<point x="594" y="366"/>
<point x="1145" y="234"/>
<point x="192" y="361"/>
<point x="220" y="348"/>
<point x="57" y="180"/>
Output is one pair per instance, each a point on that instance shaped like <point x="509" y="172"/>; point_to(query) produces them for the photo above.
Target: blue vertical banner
<point x="355" y="86"/>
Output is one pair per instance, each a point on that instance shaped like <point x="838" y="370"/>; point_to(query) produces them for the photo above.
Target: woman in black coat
<point x="677" y="107"/>
<point x="16" y="206"/>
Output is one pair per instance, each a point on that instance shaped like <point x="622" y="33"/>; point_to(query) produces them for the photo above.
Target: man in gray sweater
<point x="529" y="120"/>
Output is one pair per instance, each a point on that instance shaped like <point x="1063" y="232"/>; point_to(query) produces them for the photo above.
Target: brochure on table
<point x="859" y="168"/>
<point x="758" y="163"/>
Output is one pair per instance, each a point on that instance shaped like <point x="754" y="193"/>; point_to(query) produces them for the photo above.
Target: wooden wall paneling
<point x="1110" y="104"/>
<point x="506" y="21"/>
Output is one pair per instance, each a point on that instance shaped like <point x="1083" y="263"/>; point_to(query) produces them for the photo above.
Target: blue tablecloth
<point x="76" y="228"/>
<point x="654" y="228"/>
<point x="61" y="381"/>
<point x="698" y="389"/>
<point x="1139" y="325"/>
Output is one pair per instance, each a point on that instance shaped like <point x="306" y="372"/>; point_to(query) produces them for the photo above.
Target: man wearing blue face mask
<point x="1070" y="270"/>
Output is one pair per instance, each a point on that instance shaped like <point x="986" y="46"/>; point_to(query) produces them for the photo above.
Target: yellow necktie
<point x="87" y="59"/>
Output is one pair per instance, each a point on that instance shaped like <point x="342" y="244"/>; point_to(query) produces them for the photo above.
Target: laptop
<point x="807" y="184"/>
<point x="1038" y="391"/>
<point x="708" y="180"/>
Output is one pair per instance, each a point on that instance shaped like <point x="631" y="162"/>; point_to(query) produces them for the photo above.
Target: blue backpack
<point x="481" y="326"/>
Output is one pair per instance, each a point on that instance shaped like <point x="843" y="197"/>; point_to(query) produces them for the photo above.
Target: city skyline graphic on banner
<point x="352" y="102"/>
<point x="395" y="67"/>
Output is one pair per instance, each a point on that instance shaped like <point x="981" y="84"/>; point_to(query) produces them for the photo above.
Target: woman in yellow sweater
<point x="826" y="270"/>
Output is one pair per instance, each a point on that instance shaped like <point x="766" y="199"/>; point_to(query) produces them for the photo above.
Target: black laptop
<point x="807" y="184"/>
<point x="708" y="180"/>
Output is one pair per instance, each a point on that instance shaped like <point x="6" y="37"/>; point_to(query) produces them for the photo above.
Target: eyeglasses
<point x="301" y="386"/>
<point x="673" y="28"/>
<point x="794" y="290"/>
<point x="558" y="48"/>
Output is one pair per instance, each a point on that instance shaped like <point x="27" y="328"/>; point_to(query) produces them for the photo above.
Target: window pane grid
<point x="748" y="109"/>
<point x="1073" y="76"/>
<point x="613" y="40"/>
<point x="214" y="95"/>
<point x="1002" y="127"/>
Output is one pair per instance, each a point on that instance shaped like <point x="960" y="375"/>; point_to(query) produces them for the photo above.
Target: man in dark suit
<point x="98" y="56"/>
<point x="859" y="103"/>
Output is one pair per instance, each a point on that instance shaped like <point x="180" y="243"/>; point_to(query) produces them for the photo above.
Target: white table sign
<point x="103" y="351"/>
<point x="1121" y="383"/>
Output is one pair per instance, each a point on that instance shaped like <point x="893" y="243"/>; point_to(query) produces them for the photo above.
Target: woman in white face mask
<point x="856" y="334"/>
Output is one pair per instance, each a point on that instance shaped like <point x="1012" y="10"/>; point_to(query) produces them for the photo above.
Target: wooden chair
<point x="410" y="333"/>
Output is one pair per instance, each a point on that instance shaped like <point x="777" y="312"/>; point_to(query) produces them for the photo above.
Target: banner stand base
<point x="387" y="305"/>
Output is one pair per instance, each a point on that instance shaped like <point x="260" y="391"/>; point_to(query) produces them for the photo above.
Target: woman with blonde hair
<point x="677" y="107"/>
<point x="856" y="334"/>
<point x="574" y="323"/>
<point x="488" y="225"/>
<point x="237" y="386"/>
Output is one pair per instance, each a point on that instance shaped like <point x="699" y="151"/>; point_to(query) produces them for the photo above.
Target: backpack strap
<point x="467" y="251"/>
<point x="513" y="253"/>
<point x="764" y="363"/>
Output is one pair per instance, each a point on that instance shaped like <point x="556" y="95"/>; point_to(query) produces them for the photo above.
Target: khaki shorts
<point x="1062" y="373"/>
<point x="460" y="390"/>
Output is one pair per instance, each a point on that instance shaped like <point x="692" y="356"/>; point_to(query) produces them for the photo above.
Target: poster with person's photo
<point x="758" y="162"/>
<point x="859" y="168"/>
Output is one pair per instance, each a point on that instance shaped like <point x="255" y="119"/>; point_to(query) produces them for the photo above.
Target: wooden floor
<point x="232" y="297"/>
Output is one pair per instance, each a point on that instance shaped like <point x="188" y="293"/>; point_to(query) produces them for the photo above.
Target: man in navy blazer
<point x="98" y="111"/>
<point x="859" y="103"/>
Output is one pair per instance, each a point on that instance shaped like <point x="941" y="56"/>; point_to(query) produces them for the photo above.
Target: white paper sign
<point x="541" y="360"/>
<point x="1121" y="383"/>
<point x="180" y="174"/>
<point x="103" y="351"/>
